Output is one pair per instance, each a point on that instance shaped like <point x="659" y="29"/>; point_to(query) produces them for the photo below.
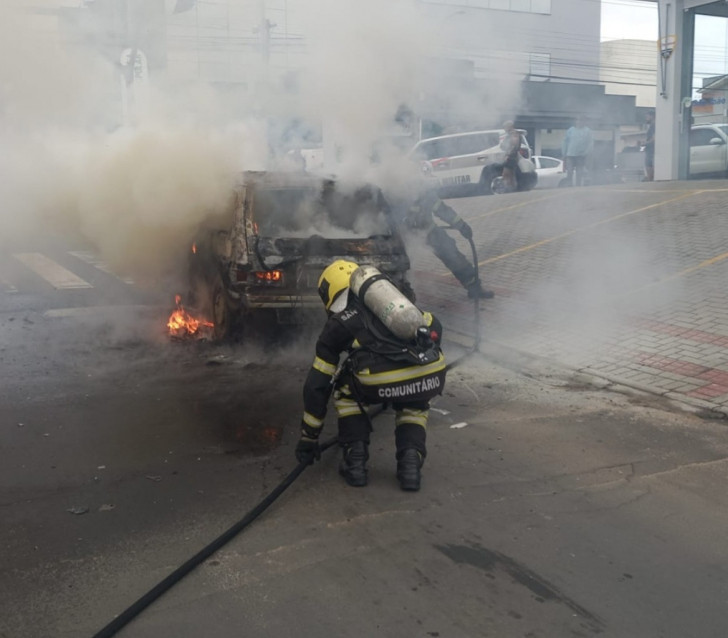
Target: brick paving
<point x="630" y="283"/>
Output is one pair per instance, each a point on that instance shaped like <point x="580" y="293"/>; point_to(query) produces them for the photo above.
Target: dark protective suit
<point x="418" y="215"/>
<point x="337" y="337"/>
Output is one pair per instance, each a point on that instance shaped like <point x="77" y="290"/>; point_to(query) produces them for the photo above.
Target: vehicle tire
<point x="498" y="186"/>
<point x="486" y="180"/>
<point x="564" y="183"/>
<point x="221" y="309"/>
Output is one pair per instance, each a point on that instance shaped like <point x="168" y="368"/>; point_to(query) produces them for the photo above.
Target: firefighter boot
<point x="408" y="470"/>
<point x="475" y="291"/>
<point x="354" y="464"/>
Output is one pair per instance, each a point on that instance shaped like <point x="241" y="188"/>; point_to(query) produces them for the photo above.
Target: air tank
<point x="388" y="304"/>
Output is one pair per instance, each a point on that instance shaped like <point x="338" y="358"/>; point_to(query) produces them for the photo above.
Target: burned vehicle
<point x="259" y="264"/>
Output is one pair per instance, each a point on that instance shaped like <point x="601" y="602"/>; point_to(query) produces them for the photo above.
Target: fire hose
<point x="200" y="557"/>
<point x="131" y="612"/>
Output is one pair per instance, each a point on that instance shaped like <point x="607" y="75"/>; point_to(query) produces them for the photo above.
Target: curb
<point x="508" y="355"/>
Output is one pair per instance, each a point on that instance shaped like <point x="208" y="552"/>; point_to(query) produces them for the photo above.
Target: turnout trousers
<point x="446" y="250"/>
<point x="410" y="422"/>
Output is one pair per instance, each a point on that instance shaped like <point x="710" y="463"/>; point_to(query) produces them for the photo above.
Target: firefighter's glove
<point x="465" y="230"/>
<point x="308" y="450"/>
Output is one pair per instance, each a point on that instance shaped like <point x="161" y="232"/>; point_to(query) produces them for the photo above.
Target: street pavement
<point x="549" y="508"/>
<point x="624" y="282"/>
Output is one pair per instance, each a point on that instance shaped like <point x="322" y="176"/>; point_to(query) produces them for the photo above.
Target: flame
<point x="194" y="250"/>
<point x="183" y="324"/>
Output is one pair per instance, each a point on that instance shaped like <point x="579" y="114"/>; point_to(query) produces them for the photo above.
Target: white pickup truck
<point x="462" y="160"/>
<point x="709" y="150"/>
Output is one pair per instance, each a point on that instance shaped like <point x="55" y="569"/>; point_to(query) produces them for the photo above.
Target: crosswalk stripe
<point x="60" y="313"/>
<point x="57" y="276"/>
<point x="93" y="260"/>
<point x="6" y="286"/>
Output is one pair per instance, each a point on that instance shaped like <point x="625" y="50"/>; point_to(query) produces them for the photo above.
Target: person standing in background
<point x="577" y="146"/>
<point x="510" y="145"/>
<point x="650" y="148"/>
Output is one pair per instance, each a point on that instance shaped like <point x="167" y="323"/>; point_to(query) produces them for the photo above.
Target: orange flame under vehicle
<point x="182" y="324"/>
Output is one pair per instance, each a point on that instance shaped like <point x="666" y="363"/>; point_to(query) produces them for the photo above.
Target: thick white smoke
<point x="134" y="183"/>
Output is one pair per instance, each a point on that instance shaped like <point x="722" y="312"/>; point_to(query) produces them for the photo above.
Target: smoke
<point x="133" y="168"/>
<point x="135" y="193"/>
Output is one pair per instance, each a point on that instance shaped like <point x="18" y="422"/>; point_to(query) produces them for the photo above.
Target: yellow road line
<point x="639" y="190"/>
<point x="587" y="227"/>
<point x="681" y="273"/>
<point x="501" y="210"/>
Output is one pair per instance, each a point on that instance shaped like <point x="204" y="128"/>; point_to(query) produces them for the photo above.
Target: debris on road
<point x="107" y="507"/>
<point x="458" y="426"/>
<point x="156" y="479"/>
<point x="440" y="411"/>
<point x="78" y="510"/>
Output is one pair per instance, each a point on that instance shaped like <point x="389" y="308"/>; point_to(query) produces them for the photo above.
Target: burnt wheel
<point x="221" y="307"/>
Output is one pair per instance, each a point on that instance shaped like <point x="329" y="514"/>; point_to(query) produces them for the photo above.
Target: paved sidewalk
<point x="625" y="282"/>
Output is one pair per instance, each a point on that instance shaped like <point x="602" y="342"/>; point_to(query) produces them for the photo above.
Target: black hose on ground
<point x="131" y="612"/>
<point x="178" y="574"/>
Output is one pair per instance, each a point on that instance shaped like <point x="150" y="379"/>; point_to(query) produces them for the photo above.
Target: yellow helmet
<point x="334" y="281"/>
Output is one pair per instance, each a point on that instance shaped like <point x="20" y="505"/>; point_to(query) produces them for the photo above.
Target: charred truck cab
<point x="261" y="261"/>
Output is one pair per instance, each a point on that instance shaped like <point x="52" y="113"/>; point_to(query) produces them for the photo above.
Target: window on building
<point x="540" y="66"/>
<point x="541" y="6"/>
<point x="500" y="5"/>
<point x="520" y="6"/>
<point x="524" y="6"/>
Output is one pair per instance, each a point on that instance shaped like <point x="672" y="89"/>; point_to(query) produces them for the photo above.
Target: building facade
<point x="534" y="61"/>
<point x="538" y="40"/>
<point x="629" y="67"/>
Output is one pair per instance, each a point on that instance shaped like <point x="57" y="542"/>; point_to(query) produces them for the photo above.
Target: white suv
<point x="709" y="150"/>
<point x="466" y="159"/>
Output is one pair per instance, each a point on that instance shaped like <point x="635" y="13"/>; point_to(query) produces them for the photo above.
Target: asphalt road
<point x="556" y="511"/>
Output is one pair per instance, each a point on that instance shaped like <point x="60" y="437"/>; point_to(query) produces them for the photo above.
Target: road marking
<point x="640" y="190"/>
<point x="6" y="286"/>
<point x="501" y="210"/>
<point x="57" y="276"/>
<point x="543" y="242"/>
<point x="95" y="261"/>
<point x="60" y="313"/>
<point x="681" y="273"/>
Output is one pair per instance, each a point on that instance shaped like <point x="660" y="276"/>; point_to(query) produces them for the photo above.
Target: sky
<point x="626" y="19"/>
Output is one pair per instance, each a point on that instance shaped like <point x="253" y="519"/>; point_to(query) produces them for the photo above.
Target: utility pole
<point x="264" y="35"/>
<point x="134" y="64"/>
<point x="261" y="88"/>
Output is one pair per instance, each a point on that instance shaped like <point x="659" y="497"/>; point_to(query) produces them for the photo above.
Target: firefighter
<point x="352" y="328"/>
<point x="418" y="213"/>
